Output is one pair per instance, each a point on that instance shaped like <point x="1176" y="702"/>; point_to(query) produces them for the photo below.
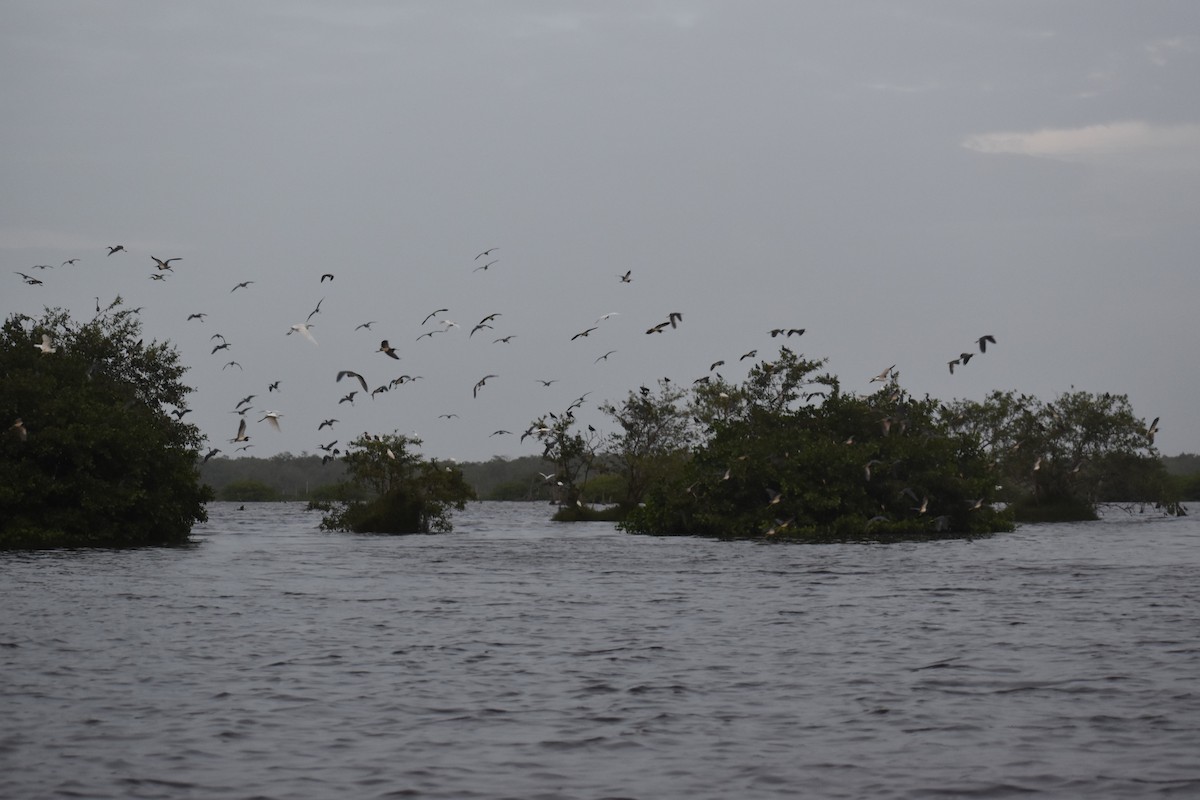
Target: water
<point x="517" y="658"/>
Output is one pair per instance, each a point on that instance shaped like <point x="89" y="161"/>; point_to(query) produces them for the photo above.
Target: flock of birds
<point x="354" y="386"/>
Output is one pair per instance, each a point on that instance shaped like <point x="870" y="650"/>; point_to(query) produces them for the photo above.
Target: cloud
<point x="1129" y="143"/>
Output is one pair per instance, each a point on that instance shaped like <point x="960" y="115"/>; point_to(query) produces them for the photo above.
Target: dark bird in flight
<point x="158" y="276"/>
<point x="505" y="339"/>
<point x="479" y="384"/>
<point x="326" y="423"/>
<point x="627" y="277"/>
<point x="750" y="354"/>
<point x="500" y="433"/>
<point x="984" y="341"/>
<point x="485" y="266"/>
<point x="384" y="347"/>
<point x="487" y="252"/>
<point x="211" y="453"/>
<point x="68" y="261"/>
<point x="545" y="382"/>
<point x="583" y="333"/>
<point x="116" y="248"/>
<point x="313" y="313"/>
<point x="659" y="328"/>
<point x="348" y="374"/>
<point x="604" y="357"/>
<point x="199" y="316"/>
<point x="328" y="276"/>
<point x="231" y="364"/>
<point x="433" y="314"/>
<point x="674" y="318"/>
<point x="32" y="281"/>
<point x="366" y="325"/>
<point x="348" y="399"/>
<point x="1152" y="430"/>
<point x="787" y="332"/>
<point x="715" y="364"/>
<point x="241" y="285"/>
<point x="245" y="400"/>
<point x="273" y="386"/>
<point x="161" y="264"/>
<point x="447" y="416"/>
<point x="222" y="346"/>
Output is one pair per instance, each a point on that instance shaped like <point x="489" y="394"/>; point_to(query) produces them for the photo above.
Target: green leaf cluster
<point x="93" y="451"/>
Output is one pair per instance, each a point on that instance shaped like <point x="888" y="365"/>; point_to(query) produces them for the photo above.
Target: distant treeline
<point x="304" y="477"/>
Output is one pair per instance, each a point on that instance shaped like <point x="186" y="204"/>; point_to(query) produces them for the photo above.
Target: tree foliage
<point x="409" y="494"/>
<point x="1064" y="456"/>
<point x="655" y="433"/>
<point x="573" y="453"/>
<point x="94" y="452"/>
<point x="788" y="454"/>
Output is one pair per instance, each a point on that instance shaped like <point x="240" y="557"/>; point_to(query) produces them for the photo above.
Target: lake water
<point x="518" y="658"/>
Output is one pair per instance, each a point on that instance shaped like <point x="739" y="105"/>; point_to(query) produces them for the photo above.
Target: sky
<point x="897" y="178"/>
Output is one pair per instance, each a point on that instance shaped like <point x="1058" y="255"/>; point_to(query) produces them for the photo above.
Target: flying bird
<point x="485" y="266"/>
<point x="161" y="264"/>
<point x="328" y="276"/>
<point x="883" y="376"/>
<point x="479" y="384"/>
<point x="505" y="339"/>
<point x="47" y="345"/>
<point x="487" y="252"/>
<point x="1152" y="430"/>
<point x="386" y="348"/>
<point x="68" y="261"/>
<point x="326" y="423"/>
<point x="273" y="386"/>
<point x="433" y="314"/>
<point x="348" y="374"/>
<point x="984" y="341"/>
<point x="272" y="417"/>
<point x="116" y="248"/>
<point x="302" y="329"/>
<point x="604" y="357"/>
<point x="29" y="279"/>
<point x="199" y="316"/>
<point x="545" y="382"/>
<point x="787" y="332"/>
<point x="241" y="434"/>
<point x="366" y="325"/>
<point x="627" y="277"/>
<point x="210" y="454"/>
<point x="313" y="313"/>
<point x="583" y="333"/>
<point x="241" y="285"/>
<point x="748" y="354"/>
<point x="224" y="345"/>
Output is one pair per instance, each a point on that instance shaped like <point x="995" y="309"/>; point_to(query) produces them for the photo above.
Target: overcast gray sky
<point x="898" y="178"/>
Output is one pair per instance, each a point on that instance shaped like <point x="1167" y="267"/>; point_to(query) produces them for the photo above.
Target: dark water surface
<point x="517" y="658"/>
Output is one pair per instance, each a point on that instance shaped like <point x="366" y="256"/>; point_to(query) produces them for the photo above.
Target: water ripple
<point x="520" y="658"/>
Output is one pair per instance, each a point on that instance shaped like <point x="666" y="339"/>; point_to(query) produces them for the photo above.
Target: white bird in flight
<point x="302" y="329"/>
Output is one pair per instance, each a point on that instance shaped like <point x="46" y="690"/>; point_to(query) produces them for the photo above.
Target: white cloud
<point x="1131" y="143"/>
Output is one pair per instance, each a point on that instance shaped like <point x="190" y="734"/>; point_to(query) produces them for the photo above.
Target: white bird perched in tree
<point x="302" y="329"/>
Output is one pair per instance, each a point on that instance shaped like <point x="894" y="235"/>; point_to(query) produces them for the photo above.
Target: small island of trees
<point x="94" y="452"/>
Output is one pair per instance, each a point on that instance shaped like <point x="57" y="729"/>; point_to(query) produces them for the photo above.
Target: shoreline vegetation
<point x="95" y="452"/>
